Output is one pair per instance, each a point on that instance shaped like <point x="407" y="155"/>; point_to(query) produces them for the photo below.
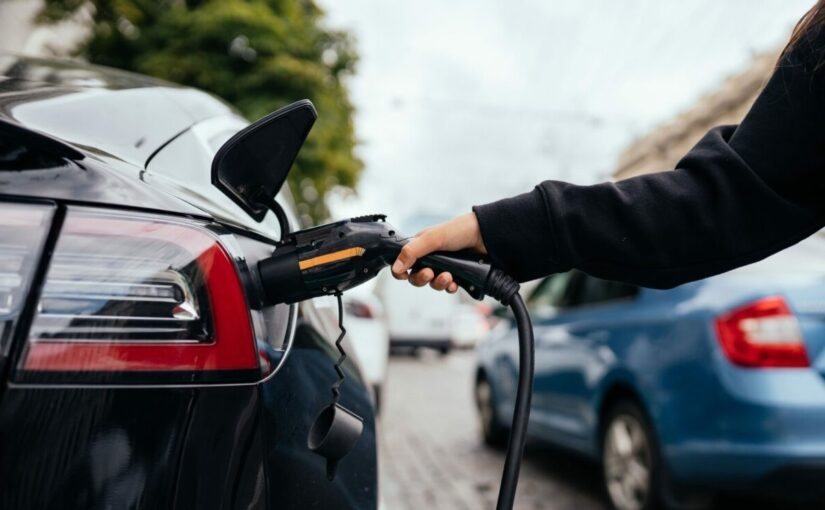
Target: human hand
<point x="459" y="233"/>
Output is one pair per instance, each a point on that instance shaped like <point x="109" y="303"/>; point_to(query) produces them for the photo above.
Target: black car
<point x="140" y="367"/>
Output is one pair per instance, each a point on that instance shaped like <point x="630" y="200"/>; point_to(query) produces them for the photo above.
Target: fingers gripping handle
<point x="472" y="273"/>
<point x="468" y="269"/>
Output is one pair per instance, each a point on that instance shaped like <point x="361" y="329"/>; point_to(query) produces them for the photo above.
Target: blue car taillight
<point x="139" y="298"/>
<point x="23" y="230"/>
<point x="763" y="334"/>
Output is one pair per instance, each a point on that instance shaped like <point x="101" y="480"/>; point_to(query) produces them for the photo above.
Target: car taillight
<point x="23" y="229"/>
<point x="764" y="333"/>
<point x="484" y="309"/>
<point x="139" y="298"/>
<point x="359" y="309"/>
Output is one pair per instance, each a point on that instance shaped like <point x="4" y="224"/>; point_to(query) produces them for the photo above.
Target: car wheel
<point x="493" y="432"/>
<point x="635" y="478"/>
<point x="630" y="459"/>
<point x="444" y="350"/>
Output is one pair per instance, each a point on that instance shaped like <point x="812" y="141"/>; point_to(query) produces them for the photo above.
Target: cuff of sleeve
<point x="518" y="235"/>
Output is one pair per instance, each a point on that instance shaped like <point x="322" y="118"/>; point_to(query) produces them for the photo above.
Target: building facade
<point x="662" y="148"/>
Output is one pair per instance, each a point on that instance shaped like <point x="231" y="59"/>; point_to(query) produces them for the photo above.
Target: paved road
<point x="432" y="456"/>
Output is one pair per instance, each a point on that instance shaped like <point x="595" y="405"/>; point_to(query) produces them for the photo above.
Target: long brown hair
<point x="812" y="21"/>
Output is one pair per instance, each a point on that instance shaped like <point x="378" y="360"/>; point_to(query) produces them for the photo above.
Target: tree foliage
<point x="257" y="54"/>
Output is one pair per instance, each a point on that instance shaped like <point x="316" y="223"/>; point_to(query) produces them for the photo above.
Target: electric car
<point x="713" y="386"/>
<point x="140" y="366"/>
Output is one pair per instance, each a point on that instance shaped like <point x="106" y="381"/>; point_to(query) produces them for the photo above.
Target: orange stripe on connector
<point x="331" y="257"/>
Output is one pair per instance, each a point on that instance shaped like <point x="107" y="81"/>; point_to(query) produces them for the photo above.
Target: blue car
<point x="713" y="386"/>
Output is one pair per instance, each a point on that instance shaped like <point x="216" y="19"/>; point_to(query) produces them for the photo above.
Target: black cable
<point x="283" y="221"/>
<point x="336" y="388"/>
<point x="521" y="412"/>
<point x="504" y="288"/>
<point x="277" y="210"/>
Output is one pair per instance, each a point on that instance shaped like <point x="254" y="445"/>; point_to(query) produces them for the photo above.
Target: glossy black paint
<point x="104" y="110"/>
<point x="93" y="181"/>
<point x="91" y="448"/>
<point x="200" y="446"/>
<point x="286" y="433"/>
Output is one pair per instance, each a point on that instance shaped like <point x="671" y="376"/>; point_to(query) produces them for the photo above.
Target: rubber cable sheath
<point x="521" y="412"/>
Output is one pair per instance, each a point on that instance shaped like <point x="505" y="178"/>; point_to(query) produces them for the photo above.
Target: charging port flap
<point x="252" y="166"/>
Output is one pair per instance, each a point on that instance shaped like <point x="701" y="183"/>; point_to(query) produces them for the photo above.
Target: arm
<point x="712" y="214"/>
<point x="741" y="194"/>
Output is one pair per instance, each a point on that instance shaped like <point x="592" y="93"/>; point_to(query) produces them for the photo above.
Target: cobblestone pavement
<point x="432" y="456"/>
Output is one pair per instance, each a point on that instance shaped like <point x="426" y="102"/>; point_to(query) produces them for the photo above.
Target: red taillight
<point x="359" y="309"/>
<point x="140" y="294"/>
<point x="763" y="334"/>
<point x="484" y="308"/>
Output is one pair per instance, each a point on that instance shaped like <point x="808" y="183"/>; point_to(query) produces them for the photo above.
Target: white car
<point x="369" y="337"/>
<point x="423" y="318"/>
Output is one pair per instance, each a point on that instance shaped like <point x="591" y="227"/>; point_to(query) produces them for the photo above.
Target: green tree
<point x="257" y="54"/>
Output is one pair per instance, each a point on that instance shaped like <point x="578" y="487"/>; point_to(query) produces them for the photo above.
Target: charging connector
<point x="329" y="259"/>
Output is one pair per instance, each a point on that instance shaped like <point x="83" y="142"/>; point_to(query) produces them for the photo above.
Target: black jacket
<point x="742" y="193"/>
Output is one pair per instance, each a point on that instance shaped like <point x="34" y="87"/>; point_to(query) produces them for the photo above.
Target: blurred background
<point x="427" y="108"/>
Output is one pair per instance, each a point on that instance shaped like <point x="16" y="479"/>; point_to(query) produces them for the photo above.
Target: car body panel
<point x="214" y="447"/>
<point x="114" y="453"/>
<point x="94" y="180"/>
<point x="297" y="477"/>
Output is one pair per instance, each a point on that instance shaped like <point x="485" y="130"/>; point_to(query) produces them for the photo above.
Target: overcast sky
<point x="465" y="101"/>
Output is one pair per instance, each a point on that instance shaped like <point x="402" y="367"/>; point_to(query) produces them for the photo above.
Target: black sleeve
<point x="741" y="194"/>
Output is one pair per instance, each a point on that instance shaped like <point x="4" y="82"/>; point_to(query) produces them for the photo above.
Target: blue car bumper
<point x="766" y="429"/>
